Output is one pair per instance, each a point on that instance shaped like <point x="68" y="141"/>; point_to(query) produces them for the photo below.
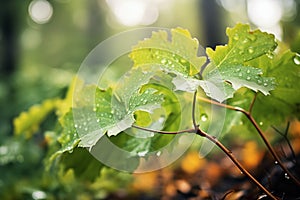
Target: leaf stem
<point x="164" y="132"/>
<point x="260" y="132"/>
<point x="193" y="110"/>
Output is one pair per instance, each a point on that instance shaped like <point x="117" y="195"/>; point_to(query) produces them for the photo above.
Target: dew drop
<point x="240" y="74"/>
<point x="204" y="117"/>
<point x="286" y="176"/>
<point x="98" y="120"/>
<point x="158" y="153"/>
<point x="245" y="40"/>
<point x="75" y="125"/>
<point x="94" y="109"/>
<point x="144" y="101"/>
<point x="169" y="62"/>
<point x="238" y="70"/>
<point x="259" y="81"/>
<point x="265" y="84"/>
<point x="252" y="37"/>
<point x="182" y="61"/>
<point x="276" y="162"/>
<point x="248" y="78"/>
<point x="270" y="55"/>
<point x="297" y="59"/>
<point x="86" y="129"/>
<point x="236" y="37"/>
<point x="163" y="61"/>
<point x="261" y="123"/>
<point x="248" y="71"/>
<point x="250" y="50"/>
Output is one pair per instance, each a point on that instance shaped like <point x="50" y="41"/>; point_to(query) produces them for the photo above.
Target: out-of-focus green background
<point x="42" y="44"/>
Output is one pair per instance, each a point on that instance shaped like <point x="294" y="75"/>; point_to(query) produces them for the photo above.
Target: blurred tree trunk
<point x="9" y="35"/>
<point x="214" y="24"/>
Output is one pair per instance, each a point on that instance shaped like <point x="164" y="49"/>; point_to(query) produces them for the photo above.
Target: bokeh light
<point x="40" y="11"/>
<point x="134" y="12"/>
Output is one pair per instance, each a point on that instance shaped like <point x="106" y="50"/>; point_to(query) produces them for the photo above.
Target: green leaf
<point x="115" y="111"/>
<point x="28" y="123"/>
<point x="69" y="137"/>
<point x="178" y="56"/>
<point x="243" y="45"/>
<point x="228" y="68"/>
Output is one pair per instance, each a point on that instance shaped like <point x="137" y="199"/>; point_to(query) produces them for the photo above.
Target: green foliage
<point x="156" y="94"/>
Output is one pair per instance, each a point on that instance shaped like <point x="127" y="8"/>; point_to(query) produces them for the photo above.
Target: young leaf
<point x="178" y="56"/>
<point x="243" y="45"/>
<point x="228" y="62"/>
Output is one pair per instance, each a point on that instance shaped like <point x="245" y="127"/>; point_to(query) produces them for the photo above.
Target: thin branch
<point x="260" y="132"/>
<point x="164" y="132"/>
<point x="285" y="136"/>
<point x="235" y="161"/>
<point x="252" y="103"/>
<point x="193" y="110"/>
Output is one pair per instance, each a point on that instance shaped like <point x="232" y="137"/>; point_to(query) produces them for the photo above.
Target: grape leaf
<point x="115" y="111"/>
<point x="228" y="62"/>
<point x="179" y="56"/>
<point x="243" y="45"/>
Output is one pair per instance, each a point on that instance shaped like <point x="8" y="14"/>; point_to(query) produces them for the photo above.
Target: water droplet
<point x="98" y="120"/>
<point x="261" y="123"/>
<point x="265" y="84"/>
<point x="158" y="153"/>
<point x="270" y="55"/>
<point x="182" y="61"/>
<point x="248" y="78"/>
<point x="75" y="125"/>
<point x="252" y="37"/>
<point x="204" y="117"/>
<point x="242" y="172"/>
<point x="241" y="52"/>
<point x="245" y="40"/>
<point x="86" y="129"/>
<point x="297" y="59"/>
<point x="248" y="71"/>
<point x="145" y="101"/>
<point x="84" y="123"/>
<point x="240" y="74"/>
<point x="142" y="153"/>
<point x="276" y="162"/>
<point x="236" y="37"/>
<point x="94" y="109"/>
<point x="238" y="70"/>
<point x="259" y="81"/>
<point x="286" y="176"/>
<point x="250" y="50"/>
<point x="169" y="62"/>
<point x="163" y="61"/>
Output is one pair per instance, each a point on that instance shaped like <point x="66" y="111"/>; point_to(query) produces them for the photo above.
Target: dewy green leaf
<point x="115" y="110"/>
<point x="69" y="137"/>
<point x="243" y="45"/>
<point x="228" y="62"/>
<point x="178" y="56"/>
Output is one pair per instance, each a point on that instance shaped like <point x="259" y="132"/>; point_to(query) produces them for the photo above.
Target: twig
<point x="220" y="145"/>
<point x="285" y="136"/>
<point x="235" y="161"/>
<point x="260" y="132"/>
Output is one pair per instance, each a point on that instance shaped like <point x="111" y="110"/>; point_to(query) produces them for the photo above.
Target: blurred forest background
<point x="43" y="43"/>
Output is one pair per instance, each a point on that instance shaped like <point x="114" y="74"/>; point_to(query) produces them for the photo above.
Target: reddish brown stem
<point x="260" y="132"/>
<point x="235" y="161"/>
<point x="220" y="145"/>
